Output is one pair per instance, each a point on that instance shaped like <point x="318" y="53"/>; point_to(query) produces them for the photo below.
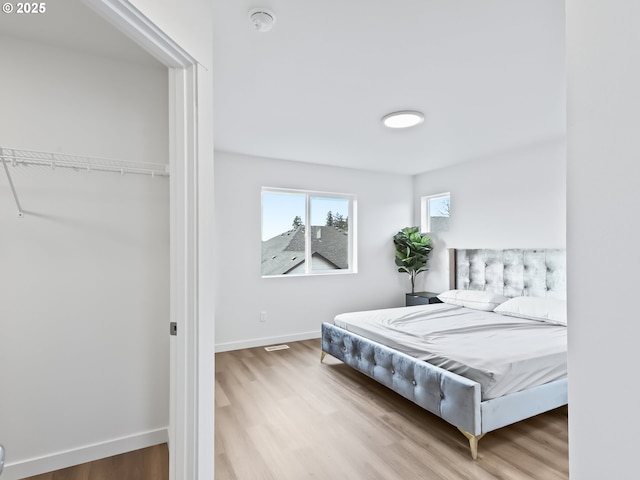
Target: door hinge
<point x="173" y="328"/>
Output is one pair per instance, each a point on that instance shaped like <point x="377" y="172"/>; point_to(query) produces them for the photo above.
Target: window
<point x="435" y="211"/>
<point x="307" y="232"/>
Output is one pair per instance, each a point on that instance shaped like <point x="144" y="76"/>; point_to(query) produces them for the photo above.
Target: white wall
<point x="513" y="200"/>
<point x="66" y="102"/>
<point x="296" y="306"/>
<point x="84" y="276"/>
<point x="602" y="205"/>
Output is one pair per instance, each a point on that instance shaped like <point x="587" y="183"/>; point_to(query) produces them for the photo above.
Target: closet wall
<point x="84" y="275"/>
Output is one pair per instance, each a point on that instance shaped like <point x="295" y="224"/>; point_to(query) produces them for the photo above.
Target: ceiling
<point x="489" y="76"/>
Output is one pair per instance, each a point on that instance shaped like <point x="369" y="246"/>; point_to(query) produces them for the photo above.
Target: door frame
<point x="191" y="390"/>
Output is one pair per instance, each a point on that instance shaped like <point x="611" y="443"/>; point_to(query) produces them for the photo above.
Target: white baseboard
<point x="84" y="454"/>
<point x="263" y="342"/>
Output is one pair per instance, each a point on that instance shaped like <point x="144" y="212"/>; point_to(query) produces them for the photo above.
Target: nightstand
<point x="421" y="298"/>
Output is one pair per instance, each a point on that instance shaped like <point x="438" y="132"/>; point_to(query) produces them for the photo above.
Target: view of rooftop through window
<point x="287" y="243"/>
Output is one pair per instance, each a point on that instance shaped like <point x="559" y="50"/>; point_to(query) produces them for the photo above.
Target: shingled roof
<point x="285" y="252"/>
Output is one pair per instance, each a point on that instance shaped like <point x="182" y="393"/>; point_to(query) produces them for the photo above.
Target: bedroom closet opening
<point x="85" y="270"/>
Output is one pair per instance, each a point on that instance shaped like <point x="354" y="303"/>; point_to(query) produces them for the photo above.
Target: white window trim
<point x="425" y="214"/>
<point x="353" y="235"/>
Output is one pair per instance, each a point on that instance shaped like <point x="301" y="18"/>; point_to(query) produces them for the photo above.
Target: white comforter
<point x="504" y="354"/>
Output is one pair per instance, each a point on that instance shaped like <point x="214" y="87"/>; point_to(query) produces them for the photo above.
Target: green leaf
<point x="412" y="251"/>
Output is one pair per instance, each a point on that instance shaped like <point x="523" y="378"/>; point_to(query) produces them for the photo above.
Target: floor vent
<point x="273" y="348"/>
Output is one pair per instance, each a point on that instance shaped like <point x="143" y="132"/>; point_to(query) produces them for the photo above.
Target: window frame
<point x="351" y="237"/>
<point x="425" y="211"/>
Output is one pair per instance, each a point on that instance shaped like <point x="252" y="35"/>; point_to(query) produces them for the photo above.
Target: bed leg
<point x="473" y="442"/>
<point x="322" y="355"/>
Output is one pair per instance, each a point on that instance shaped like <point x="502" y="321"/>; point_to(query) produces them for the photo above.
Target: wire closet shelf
<point x="17" y="157"/>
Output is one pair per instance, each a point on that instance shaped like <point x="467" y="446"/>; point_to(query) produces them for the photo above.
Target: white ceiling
<point x="489" y="76"/>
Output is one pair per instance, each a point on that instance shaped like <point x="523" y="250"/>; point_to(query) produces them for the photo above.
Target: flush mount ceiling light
<point x="403" y="119"/>
<point x="262" y="19"/>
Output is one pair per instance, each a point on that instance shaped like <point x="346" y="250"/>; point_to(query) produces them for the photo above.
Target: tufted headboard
<point x="510" y="272"/>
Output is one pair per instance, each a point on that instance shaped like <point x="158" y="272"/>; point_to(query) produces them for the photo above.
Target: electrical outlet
<point x="263" y="316"/>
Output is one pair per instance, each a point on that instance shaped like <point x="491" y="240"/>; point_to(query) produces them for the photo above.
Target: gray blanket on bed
<point x="504" y="354"/>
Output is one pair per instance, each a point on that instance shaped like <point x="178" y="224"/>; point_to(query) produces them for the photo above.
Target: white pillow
<point x="550" y="310"/>
<point x="476" y="299"/>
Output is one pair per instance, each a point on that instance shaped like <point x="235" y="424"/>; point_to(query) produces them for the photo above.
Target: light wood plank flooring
<point x="283" y="415"/>
<point x="150" y="463"/>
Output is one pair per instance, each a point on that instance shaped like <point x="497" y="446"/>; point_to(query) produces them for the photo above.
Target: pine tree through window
<point x="307" y="232"/>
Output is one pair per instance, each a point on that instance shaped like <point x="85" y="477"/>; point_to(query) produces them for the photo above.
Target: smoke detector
<point x="262" y="19"/>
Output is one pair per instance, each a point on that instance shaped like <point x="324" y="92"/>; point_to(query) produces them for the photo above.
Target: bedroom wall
<point x="602" y="203"/>
<point x="296" y="306"/>
<point x="512" y="200"/>
<point x="84" y="275"/>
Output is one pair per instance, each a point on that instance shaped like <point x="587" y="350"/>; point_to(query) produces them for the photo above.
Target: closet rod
<point x="13" y="189"/>
<point x="29" y="157"/>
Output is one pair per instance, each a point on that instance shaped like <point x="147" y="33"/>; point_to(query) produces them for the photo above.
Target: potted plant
<point x="412" y="252"/>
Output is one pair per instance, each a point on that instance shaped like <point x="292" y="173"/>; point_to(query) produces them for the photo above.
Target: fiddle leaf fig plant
<point x="412" y="252"/>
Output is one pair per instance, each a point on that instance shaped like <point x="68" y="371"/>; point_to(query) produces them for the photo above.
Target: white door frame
<point x="190" y="444"/>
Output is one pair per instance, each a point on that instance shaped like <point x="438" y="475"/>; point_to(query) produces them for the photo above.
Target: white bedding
<point x="504" y="354"/>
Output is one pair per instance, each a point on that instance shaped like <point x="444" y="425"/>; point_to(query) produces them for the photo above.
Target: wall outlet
<point x="263" y="316"/>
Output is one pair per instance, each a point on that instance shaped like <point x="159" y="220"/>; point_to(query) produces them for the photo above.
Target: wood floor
<point x="283" y="415"/>
<point x="147" y="464"/>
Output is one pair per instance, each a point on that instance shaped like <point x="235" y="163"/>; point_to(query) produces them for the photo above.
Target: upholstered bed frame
<point x="456" y="399"/>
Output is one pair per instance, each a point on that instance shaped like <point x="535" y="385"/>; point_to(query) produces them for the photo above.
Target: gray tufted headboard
<point x="511" y="272"/>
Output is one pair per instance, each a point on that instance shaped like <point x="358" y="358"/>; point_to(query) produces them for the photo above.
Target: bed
<point x="465" y="399"/>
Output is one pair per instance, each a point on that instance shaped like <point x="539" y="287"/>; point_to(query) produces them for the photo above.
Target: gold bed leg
<point x="322" y="355"/>
<point x="473" y="442"/>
